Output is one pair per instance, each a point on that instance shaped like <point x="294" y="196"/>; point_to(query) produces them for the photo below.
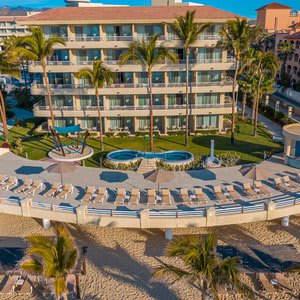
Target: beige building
<point x="276" y="17"/>
<point x="104" y="33"/>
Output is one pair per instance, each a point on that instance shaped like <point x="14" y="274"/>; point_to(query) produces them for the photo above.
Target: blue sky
<point x="243" y="7"/>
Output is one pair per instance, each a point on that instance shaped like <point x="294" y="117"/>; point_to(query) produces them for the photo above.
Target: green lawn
<point x="250" y="148"/>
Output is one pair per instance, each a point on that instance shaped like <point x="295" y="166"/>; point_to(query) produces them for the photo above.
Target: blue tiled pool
<point x="126" y="156"/>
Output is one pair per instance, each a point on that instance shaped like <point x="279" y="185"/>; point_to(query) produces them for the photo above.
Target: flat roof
<point x="134" y="13"/>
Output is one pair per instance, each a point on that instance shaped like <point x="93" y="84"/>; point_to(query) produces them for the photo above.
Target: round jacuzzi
<point x="175" y="157"/>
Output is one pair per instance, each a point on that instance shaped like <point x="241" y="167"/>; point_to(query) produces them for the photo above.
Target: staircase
<point x="147" y="165"/>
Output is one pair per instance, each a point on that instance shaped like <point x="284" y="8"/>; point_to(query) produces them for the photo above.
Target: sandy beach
<point x="120" y="261"/>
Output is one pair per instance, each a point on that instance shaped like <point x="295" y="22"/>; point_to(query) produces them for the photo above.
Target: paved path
<point x="274" y="128"/>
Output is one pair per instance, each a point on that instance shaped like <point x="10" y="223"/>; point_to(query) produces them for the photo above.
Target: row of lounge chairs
<point x="285" y="184"/>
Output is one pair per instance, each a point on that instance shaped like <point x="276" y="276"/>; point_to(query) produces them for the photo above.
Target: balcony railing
<point x="116" y="62"/>
<point x="226" y="82"/>
<point x="42" y="107"/>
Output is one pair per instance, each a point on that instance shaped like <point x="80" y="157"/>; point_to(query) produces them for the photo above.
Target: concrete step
<point x="147" y="165"/>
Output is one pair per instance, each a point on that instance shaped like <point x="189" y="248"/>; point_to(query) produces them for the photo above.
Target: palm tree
<point x="187" y="31"/>
<point x="236" y="36"/>
<point x="246" y="87"/>
<point x="8" y="66"/>
<point x="285" y="50"/>
<point x="99" y="75"/>
<point x="265" y="67"/>
<point x="52" y="257"/>
<point x="37" y="47"/>
<point x="203" y="266"/>
<point x="148" y="53"/>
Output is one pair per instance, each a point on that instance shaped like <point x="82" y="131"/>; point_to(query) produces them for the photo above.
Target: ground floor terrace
<point x="142" y="215"/>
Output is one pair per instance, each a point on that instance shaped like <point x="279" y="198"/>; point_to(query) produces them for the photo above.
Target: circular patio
<point x="71" y="156"/>
<point x="291" y="135"/>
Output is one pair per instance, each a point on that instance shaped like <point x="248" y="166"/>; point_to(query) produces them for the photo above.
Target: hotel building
<point x="105" y="33"/>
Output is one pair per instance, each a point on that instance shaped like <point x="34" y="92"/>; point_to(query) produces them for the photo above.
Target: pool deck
<point x="113" y="179"/>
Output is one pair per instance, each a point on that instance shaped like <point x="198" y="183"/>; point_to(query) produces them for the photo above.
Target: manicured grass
<point x="250" y="148"/>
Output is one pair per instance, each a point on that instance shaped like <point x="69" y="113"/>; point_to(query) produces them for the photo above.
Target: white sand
<point x="120" y="261"/>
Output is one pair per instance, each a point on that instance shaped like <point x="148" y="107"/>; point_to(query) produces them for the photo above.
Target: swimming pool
<point x="172" y="157"/>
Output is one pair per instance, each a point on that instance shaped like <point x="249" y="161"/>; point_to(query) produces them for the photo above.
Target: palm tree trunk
<point x="256" y="118"/>
<point x="3" y="117"/>
<point x="44" y="66"/>
<point x="100" y="120"/>
<point x="244" y="105"/>
<point x="253" y="110"/>
<point x="233" y="101"/>
<point x="151" y="110"/>
<point x="187" y="123"/>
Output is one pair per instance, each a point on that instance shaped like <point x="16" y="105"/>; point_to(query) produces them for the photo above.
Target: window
<point x="55" y="30"/>
<point x="62" y="100"/>
<point x="59" y="55"/>
<point x="157" y="77"/>
<point x="144" y="123"/>
<point x="175" y="122"/>
<point x="209" y="121"/>
<point x="114" y="54"/>
<point x="59" y="78"/>
<point x="113" y="32"/>
<point x="84" y="33"/>
<point x="123" y="123"/>
<point x="144" y="100"/>
<point x="123" y="78"/>
<point x="63" y="122"/>
<point x="87" y="55"/>
<point x="207" y="99"/>
<point x="207" y="55"/>
<point x="89" y="123"/>
<point x="89" y="100"/>
<point x="176" y="99"/>
<point x="178" y="77"/>
<point x="146" y="30"/>
<point x="209" y="76"/>
<point x="120" y="100"/>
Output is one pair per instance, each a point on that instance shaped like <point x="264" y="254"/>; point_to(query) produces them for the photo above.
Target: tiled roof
<point x="274" y="5"/>
<point x="127" y="13"/>
<point x="10" y="18"/>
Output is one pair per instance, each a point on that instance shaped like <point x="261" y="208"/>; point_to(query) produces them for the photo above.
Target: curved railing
<point x="260" y="210"/>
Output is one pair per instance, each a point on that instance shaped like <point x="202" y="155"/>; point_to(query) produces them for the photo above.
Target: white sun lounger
<point x="21" y="189"/>
<point x="54" y="189"/>
<point x="68" y="188"/>
<point x="11" y="181"/>
<point x="37" y="184"/>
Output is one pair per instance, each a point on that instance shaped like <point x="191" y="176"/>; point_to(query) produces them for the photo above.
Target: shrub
<point x="229" y="159"/>
<point x="109" y="134"/>
<point x="133" y="166"/>
<point x="177" y="132"/>
<point x="123" y="134"/>
<point x="18" y="147"/>
<point x="146" y="133"/>
<point x="207" y="132"/>
<point x="195" y="164"/>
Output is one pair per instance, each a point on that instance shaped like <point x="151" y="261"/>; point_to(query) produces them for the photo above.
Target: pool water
<point x="175" y="156"/>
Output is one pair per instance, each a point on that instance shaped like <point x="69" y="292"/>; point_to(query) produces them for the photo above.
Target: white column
<point x="267" y="99"/>
<point x="169" y="234"/>
<point x="285" y="221"/>
<point x="290" y="111"/>
<point x="46" y="223"/>
<point x="287" y="149"/>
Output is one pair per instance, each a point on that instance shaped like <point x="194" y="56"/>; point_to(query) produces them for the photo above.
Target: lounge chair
<point x="166" y="197"/>
<point x="9" y="285"/>
<point x="55" y="188"/>
<point x="12" y="180"/>
<point x="26" y="185"/>
<point x="26" y="288"/>
<point x="266" y="284"/>
<point x="37" y="184"/>
<point x="249" y="190"/>
<point x="200" y="196"/>
<point x="262" y="190"/>
<point x="68" y="188"/>
<point x="184" y="194"/>
<point x="134" y="197"/>
<point x="121" y="193"/>
<point x="219" y="196"/>
<point x="101" y="195"/>
<point x="282" y="281"/>
<point x="289" y="183"/>
<point x="88" y="194"/>
<point x="151" y="197"/>
<point x="2" y="179"/>
<point x="279" y="185"/>
<point x="232" y="192"/>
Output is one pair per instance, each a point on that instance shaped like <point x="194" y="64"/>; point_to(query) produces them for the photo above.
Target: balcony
<point x="195" y="65"/>
<point x="133" y="88"/>
<point x="42" y="110"/>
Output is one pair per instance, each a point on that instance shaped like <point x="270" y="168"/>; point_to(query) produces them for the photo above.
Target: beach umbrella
<point x="256" y="173"/>
<point x="61" y="168"/>
<point x="159" y="176"/>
